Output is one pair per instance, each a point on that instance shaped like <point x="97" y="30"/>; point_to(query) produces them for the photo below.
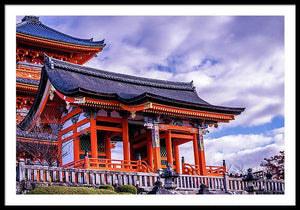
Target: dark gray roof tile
<point x="76" y="80"/>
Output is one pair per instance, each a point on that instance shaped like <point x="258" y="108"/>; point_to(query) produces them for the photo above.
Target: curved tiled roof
<point x="75" y="80"/>
<point x="117" y="77"/>
<point x="31" y="25"/>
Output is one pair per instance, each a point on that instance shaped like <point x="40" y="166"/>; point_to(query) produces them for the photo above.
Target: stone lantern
<point x="170" y="176"/>
<point x="250" y="178"/>
<point x="169" y="187"/>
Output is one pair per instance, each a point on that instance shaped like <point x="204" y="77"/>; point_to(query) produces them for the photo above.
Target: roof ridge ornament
<point x="31" y="19"/>
<point x="48" y="61"/>
<point x="192" y="84"/>
<point x="123" y="77"/>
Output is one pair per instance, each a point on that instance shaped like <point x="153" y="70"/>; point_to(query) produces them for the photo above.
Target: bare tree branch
<point x="44" y="149"/>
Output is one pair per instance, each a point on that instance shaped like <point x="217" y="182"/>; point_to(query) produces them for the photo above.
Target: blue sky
<point x="235" y="61"/>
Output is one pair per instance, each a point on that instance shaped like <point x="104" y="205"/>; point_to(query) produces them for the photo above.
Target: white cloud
<point x="239" y="151"/>
<point x="117" y="152"/>
<point x="248" y="53"/>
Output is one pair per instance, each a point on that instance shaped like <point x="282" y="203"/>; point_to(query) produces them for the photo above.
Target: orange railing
<point x="111" y="165"/>
<point x="215" y="170"/>
<point x="210" y="170"/>
<point x="190" y="169"/>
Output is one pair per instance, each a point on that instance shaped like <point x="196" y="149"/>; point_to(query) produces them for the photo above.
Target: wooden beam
<point x="109" y="119"/>
<point x="182" y="136"/>
<point x="71" y="114"/>
<point x="86" y="130"/>
<point x="66" y="130"/>
<point x="111" y="135"/>
<point x="107" y="128"/>
<point x="140" y="144"/>
<point x="165" y="127"/>
<point x="82" y="122"/>
<point x="187" y="112"/>
<point x="138" y="137"/>
<point x="182" y="141"/>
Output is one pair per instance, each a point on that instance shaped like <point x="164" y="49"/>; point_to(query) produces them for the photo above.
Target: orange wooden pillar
<point x="156" y="147"/>
<point x="157" y="158"/>
<point x="177" y="161"/>
<point x="75" y="144"/>
<point x="126" y="152"/>
<point x="195" y="147"/>
<point x="107" y="147"/>
<point x="149" y="151"/>
<point x="169" y="147"/>
<point x="202" y="164"/>
<point x="94" y="145"/>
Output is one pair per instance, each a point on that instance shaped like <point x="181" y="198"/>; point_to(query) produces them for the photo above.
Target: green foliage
<point x="127" y="189"/>
<point x="107" y="187"/>
<point x="104" y="191"/>
<point x="69" y="190"/>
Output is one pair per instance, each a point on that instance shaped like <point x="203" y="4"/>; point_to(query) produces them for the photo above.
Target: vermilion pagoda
<point x="90" y="108"/>
<point x="33" y="40"/>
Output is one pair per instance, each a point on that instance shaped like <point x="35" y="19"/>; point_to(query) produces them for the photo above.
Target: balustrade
<point x="269" y="186"/>
<point x="90" y="177"/>
<point x="110" y="164"/>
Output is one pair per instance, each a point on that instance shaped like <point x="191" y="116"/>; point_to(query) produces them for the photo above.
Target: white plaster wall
<point x="86" y="125"/>
<point x="66" y="135"/>
<point x="67" y="152"/>
<point x="67" y="124"/>
<point x="81" y="117"/>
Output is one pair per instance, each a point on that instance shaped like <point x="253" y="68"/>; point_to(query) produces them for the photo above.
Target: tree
<point x="45" y="152"/>
<point x="44" y="148"/>
<point x="274" y="165"/>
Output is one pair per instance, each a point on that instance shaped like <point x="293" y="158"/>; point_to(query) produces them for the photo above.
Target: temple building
<point x="91" y="109"/>
<point x="33" y="39"/>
